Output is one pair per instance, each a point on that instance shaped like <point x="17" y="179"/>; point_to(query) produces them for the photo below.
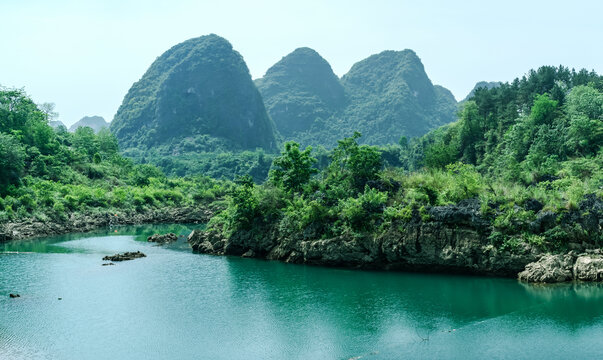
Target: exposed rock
<point x="565" y="267"/>
<point x="549" y="269"/>
<point x="248" y="254"/>
<point x="83" y="223"/>
<point x="163" y="239"/>
<point x="12" y="296"/>
<point x="589" y="267"/>
<point x="454" y="238"/>
<point x="125" y="256"/>
<point x="545" y="220"/>
<point x="533" y="205"/>
<point x="108" y="264"/>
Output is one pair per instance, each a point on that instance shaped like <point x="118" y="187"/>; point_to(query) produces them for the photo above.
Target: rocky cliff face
<point x="565" y="267"/>
<point x="455" y="238"/>
<point x="198" y="87"/>
<point x="83" y="222"/>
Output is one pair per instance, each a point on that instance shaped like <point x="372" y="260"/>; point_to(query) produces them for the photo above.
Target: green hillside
<point x="198" y="92"/>
<point x="385" y="96"/>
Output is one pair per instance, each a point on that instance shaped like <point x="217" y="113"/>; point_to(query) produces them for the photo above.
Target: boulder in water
<point x="163" y="239"/>
<point x="125" y="256"/>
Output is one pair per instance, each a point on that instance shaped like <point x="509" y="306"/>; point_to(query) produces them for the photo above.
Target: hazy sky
<point x="85" y="55"/>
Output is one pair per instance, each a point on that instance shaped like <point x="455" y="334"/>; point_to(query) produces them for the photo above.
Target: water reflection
<point x="176" y="304"/>
<point x="54" y="244"/>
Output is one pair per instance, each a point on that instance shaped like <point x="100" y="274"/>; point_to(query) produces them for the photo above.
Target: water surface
<point x="174" y="304"/>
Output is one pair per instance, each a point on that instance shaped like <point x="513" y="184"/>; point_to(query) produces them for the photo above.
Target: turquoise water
<point x="174" y="304"/>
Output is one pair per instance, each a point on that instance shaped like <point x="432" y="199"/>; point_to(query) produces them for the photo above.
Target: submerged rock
<point x="107" y="264"/>
<point x="125" y="256"/>
<point x="567" y="267"/>
<point x="163" y="239"/>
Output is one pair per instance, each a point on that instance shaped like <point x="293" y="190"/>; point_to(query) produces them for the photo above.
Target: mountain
<point x="390" y="96"/>
<point x="299" y="89"/>
<point x="385" y="96"/>
<point x="94" y="122"/>
<point x="198" y="92"/>
<point x="55" y="124"/>
<point x="482" y="84"/>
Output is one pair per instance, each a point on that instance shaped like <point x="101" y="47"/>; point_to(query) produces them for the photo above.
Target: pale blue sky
<point x="85" y="55"/>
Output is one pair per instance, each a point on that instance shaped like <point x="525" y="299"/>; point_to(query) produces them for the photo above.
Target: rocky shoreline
<point x="454" y="239"/>
<point x="87" y="222"/>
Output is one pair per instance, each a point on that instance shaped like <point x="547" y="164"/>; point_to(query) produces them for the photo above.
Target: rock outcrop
<point x="125" y="256"/>
<point x="85" y="222"/>
<point x="565" y="267"/>
<point x="163" y="239"/>
<point x="452" y="238"/>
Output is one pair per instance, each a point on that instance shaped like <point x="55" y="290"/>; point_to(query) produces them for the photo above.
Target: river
<point x="174" y="304"/>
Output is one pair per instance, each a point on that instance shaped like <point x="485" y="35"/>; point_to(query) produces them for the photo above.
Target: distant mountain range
<point x="200" y="92"/>
<point x="385" y="96"/>
<point x="94" y="122"/>
<point x="482" y="84"/>
<point x="198" y="98"/>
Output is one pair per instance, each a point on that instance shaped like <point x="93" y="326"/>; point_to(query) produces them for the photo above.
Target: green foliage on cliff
<point x="200" y="87"/>
<point x="524" y="157"/>
<point x="385" y="96"/>
<point x="299" y="91"/>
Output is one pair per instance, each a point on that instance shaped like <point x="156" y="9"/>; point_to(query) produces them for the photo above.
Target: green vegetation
<point x="197" y="99"/>
<point x="49" y="174"/>
<point x="385" y="96"/>
<point x="524" y="157"/>
<point x="528" y="154"/>
<point x="301" y="91"/>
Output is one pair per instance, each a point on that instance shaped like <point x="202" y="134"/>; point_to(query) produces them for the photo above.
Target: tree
<point x="293" y="168"/>
<point x="12" y="156"/>
<point x="48" y="110"/>
<point x="355" y="164"/>
<point x="470" y="132"/>
<point x="544" y="110"/>
<point x="143" y="173"/>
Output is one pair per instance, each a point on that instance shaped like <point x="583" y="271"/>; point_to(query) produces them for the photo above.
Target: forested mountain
<point x="96" y="123"/>
<point x="482" y="84"/>
<point x="197" y="95"/>
<point x="299" y="90"/>
<point x="56" y="124"/>
<point x="391" y="96"/>
<point x="385" y="97"/>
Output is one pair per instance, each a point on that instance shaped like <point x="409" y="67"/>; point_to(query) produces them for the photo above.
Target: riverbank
<point x="84" y="222"/>
<point x="447" y="239"/>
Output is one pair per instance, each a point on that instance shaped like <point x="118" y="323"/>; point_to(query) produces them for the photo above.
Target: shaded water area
<point x="174" y="304"/>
